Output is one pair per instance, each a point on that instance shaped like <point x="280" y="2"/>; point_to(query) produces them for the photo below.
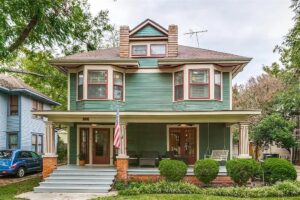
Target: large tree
<point x="34" y="31"/>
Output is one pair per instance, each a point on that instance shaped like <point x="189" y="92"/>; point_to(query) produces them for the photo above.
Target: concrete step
<point x="44" y="189"/>
<point x="83" y="175"/>
<point x="76" y="184"/>
<point x="84" y="172"/>
<point x="83" y="181"/>
<point x="79" y="178"/>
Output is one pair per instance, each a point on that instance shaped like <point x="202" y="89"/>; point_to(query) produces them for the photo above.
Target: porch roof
<point x="224" y="116"/>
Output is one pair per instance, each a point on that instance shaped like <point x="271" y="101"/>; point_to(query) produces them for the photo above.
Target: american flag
<point x="117" y="142"/>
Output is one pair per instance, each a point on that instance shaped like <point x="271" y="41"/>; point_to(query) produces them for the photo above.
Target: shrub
<point x="206" y="170"/>
<point x="120" y="185"/>
<point x="172" y="170"/>
<point x="162" y="187"/>
<point x="277" y="169"/>
<point x="241" y="170"/>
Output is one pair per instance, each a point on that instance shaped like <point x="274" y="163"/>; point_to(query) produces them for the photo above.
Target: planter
<point x="81" y="162"/>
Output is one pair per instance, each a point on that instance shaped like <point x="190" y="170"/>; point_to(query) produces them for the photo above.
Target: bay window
<point x="80" y="86"/>
<point x="217" y="85"/>
<point x="118" y="86"/>
<point x="199" y="83"/>
<point x="97" y="84"/>
<point x="139" y="50"/>
<point x="158" y="49"/>
<point x="178" y="85"/>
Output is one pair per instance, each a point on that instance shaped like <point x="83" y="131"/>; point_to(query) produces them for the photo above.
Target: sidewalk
<point x="63" y="196"/>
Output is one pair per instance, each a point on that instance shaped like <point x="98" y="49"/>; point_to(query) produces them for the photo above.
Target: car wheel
<point x="21" y="172"/>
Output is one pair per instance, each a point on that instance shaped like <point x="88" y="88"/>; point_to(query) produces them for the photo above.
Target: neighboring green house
<point x="173" y="99"/>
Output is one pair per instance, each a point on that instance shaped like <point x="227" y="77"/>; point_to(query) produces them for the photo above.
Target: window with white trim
<point x="97" y="84"/>
<point x="13" y="105"/>
<point x="80" y="85"/>
<point x="118" y="86"/>
<point x="199" y="83"/>
<point x="158" y="49"/>
<point x="217" y="78"/>
<point x="178" y="85"/>
<point x="139" y="50"/>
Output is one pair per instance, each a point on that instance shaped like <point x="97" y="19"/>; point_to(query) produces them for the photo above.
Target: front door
<point x="183" y="144"/>
<point x="101" y="146"/>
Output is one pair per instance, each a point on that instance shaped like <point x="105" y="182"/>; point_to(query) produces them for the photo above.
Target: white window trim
<point x="148" y="44"/>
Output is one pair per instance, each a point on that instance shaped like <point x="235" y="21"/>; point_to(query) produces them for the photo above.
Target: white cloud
<point x="245" y="27"/>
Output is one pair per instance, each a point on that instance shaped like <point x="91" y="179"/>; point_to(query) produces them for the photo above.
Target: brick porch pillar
<point x="50" y="157"/>
<point x="244" y="141"/>
<point x="122" y="158"/>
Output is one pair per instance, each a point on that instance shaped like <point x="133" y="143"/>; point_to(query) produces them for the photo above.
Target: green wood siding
<point x="148" y="30"/>
<point x="73" y="145"/>
<point x="153" y="137"/>
<point x="151" y="92"/>
<point x="73" y="88"/>
<point x="148" y="63"/>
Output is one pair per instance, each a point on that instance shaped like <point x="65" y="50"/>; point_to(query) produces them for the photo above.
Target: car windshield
<point x="5" y="154"/>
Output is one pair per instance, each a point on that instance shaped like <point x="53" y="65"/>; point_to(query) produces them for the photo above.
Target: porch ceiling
<point x="228" y="116"/>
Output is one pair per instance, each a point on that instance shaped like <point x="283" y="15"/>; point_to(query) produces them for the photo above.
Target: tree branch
<point x="18" y="71"/>
<point x="24" y="34"/>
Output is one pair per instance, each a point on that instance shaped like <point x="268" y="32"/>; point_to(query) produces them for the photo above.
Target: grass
<point x="8" y="192"/>
<point x="185" y="197"/>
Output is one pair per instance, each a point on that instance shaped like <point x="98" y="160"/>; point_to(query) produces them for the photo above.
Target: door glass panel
<point x="101" y="143"/>
<point x="175" y="146"/>
<point x="84" y="135"/>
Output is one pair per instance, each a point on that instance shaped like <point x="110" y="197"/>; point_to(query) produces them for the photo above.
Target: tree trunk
<point x="24" y="34"/>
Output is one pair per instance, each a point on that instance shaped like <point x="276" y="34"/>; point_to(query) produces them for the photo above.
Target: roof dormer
<point x="148" y="39"/>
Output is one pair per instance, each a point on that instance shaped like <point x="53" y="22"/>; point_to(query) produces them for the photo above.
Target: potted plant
<point x="81" y="159"/>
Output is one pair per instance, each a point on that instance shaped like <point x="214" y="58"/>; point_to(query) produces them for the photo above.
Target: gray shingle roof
<point x="12" y="83"/>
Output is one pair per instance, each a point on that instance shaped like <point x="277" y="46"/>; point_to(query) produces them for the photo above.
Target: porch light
<point x="185" y="125"/>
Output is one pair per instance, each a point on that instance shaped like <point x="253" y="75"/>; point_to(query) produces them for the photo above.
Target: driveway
<point x="6" y="180"/>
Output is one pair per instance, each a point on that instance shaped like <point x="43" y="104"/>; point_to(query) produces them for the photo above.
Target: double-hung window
<point x="12" y="140"/>
<point x="97" y="84"/>
<point x="178" y="85"/>
<point x="13" y="105"/>
<point x="118" y="86"/>
<point x="199" y="83"/>
<point x="217" y="85"/>
<point x="80" y="85"/>
<point x="37" y="143"/>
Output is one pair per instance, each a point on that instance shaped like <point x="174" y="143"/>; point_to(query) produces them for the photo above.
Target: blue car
<point x="19" y="162"/>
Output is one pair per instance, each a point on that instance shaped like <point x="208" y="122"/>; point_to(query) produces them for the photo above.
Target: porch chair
<point x="133" y="158"/>
<point x="219" y="155"/>
<point x="149" y="158"/>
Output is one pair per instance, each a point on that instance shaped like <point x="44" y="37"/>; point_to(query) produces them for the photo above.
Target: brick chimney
<point x="173" y="41"/>
<point x="124" y="41"/>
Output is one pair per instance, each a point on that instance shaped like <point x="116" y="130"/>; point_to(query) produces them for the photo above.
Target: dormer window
<point x="139" y="50"/>
<point x="158" y="49"/>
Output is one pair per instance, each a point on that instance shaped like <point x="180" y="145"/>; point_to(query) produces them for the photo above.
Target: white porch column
<point x="244" y="140"/>
<point x="50" y="149"/>
<point x="122" y="151"/>
<point x="50" y="157"/>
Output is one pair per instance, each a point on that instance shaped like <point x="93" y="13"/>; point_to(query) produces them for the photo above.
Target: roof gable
<point x="148" y="28"/>
<point x="148" y="31"/>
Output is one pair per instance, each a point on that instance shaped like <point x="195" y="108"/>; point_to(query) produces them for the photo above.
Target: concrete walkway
<point x="63" y="196"/>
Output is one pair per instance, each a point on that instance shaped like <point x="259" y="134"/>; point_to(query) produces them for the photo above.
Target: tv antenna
<point x="192" y="33"/>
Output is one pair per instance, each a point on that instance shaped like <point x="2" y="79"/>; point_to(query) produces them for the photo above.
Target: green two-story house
<point x="173" y="99"/>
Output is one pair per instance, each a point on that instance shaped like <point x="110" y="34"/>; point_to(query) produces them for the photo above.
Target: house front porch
<point x="188" y="136"/>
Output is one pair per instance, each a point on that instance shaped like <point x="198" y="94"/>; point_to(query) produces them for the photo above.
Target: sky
<point x="250" y="28"/>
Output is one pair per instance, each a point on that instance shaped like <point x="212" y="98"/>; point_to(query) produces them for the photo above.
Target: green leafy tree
<point x="48" y="24"/>
<point x="274" y="128"/>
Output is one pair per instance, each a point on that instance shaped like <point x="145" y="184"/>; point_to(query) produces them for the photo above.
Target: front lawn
<point x="8" y="192"/>
<point x="185" y="197"/>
